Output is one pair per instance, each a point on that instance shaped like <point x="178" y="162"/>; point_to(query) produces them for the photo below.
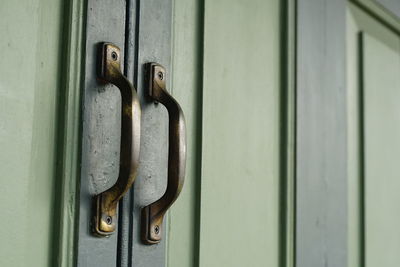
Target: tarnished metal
<point x="106" y="203"/>
<point x="153" y="214"/>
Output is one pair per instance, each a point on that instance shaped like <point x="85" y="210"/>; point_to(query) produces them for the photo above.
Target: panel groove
<point x="199" y="138"/>
<point x="361" y="147"/>
<point x="125" y="225"/>
<point x="288" y="113"/>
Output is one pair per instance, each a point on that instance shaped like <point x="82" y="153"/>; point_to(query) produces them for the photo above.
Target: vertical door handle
<point x="153" y="214"/>
<point x="106" y="203"/>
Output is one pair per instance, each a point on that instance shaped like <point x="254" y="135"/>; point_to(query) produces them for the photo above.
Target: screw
<point x="157" y="229"/>
<point x="114" y="55"/>
<point x="160" y="75"/>
<point x="109" y="220"/>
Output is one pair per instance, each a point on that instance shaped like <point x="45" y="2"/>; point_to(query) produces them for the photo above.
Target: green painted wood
<point x="183" y="242"/>
<point x="69" y="134"/>
<point x="29" y="90"/>
<point x="321" y="163"/>
<point x="288" y="141"/>
<point x="374" y="127"/>
<point x="240" y="187"/>
<point x="381" y="87"/>
<point x="392" y="6"/>
<point x="101" y="124"/>
<point x="382" y="12"/>
<point x="153" y="44"/>
<point x="183" y="219"/>
<point x="353" y="146"/>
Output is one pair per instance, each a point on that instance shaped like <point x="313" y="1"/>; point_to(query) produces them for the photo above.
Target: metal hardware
<point x="106" y="203"/>
<point x="153" y="214"/>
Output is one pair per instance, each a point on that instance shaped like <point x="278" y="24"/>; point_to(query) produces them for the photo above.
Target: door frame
<point x="69" y="133"/>
<point x="69" y="152"/>
<point x="321" y="159"/>
<point x="385" y="13"/>
<point x="70" y="130"/>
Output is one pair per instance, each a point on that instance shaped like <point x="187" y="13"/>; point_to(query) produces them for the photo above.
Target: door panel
<point x="381" y="130"/>
<point x="29" y="93"/>
<point x="373" y="127"/>
<point x="240" y="185"/>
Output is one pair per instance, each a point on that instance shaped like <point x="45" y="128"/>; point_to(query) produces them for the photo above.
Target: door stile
<point x="321" y="164"/>
<point x="105" y="22"/>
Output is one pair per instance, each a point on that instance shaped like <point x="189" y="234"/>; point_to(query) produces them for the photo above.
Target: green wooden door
<point x="230" y="212"/>
<point x="232" y="209"/>
<point x="231" y="65"/>
<point x="227" y="63"/>
<point x="241" y="135"/>
<point x="29" y="100"/>
<point x="373" y="48"/>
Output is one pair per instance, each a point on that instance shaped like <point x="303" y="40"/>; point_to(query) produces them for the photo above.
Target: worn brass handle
<point x="106" y="203"/>
<point x="153" y="214"/>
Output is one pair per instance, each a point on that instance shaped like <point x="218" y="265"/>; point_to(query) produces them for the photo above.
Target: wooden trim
<point x="321" y="164"/>
<point x="361" y="144"/>
<point x="392" y="6"/>
<point x="98" y="122"/>
<point x="381" y="12"/>
<point x="288" y="113"/>
<point x="187" y="82"/>
<point x="69" y="134"/>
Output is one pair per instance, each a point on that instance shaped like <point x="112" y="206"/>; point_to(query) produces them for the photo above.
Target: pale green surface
<point x="182" y="240"/>
<point x="68" y="148"/>
<point x="382" y="144"/>
<point x="240" y="161"/>
<point x="241" y="134"/>
<point x="378" y="10"/>
<point x="353" y="143"/>
<point x="29" y="76"/>
<point x="382" y="129"/>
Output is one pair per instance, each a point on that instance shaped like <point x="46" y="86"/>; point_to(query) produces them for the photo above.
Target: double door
<point x="231" y="197"/>
<point x="291" y="123"/>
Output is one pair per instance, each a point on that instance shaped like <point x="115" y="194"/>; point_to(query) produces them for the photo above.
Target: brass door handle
<point x="106" y="203"/>
<point x="153" y="214"/>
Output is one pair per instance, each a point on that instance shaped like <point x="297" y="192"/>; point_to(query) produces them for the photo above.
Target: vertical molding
<point x="288" y="113"/>
<point x="187" y="58"/>
<point x="321" y="169"/>
<point x="64" y="237"/>
<point x="200" y="123"/>
<point x="361" y="144"/>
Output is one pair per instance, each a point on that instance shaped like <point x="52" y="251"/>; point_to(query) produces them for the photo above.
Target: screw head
<point x="160" y="75"/>
<point x="157" y="229"/>
<point x="114" y="55"/>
